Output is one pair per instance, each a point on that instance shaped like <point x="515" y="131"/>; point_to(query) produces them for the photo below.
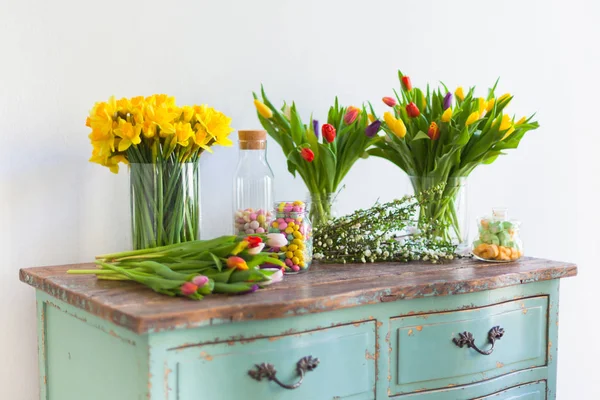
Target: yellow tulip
<point x="503" y="97"/>
<point x="472" y="118"/>
<point x="521" y="121"/>
<point x="447" y="115"/>
<point x="490" y="104"/>
<point x="505" y="123"/>
<point x="396" y="125"/>
<point x="460" y="93"/>
<point x="482" y="105"/>
<point x="371" y="118"/>
<point x="262" y="109"/>
<point x="507" y="134"/>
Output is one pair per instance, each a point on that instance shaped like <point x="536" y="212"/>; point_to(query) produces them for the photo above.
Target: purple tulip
<point x="372" y="129"/>
<point x="316" y="127"/>
<point x="252" y="289"/>
<point x="447" y="100"/>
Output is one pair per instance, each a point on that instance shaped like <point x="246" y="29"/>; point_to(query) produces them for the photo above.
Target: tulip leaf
<point x="420" y="136"/>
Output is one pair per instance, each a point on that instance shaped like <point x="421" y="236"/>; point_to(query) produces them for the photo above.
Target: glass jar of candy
<point x="253" y="185"/>
<point x="499" y="239"/>
<point x="291" y="219"/>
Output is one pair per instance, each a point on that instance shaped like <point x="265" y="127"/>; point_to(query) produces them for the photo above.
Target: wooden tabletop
<point x="322" y="288"/>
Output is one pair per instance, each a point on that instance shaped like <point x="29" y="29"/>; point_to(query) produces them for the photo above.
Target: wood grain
<point x="322" y="288"/>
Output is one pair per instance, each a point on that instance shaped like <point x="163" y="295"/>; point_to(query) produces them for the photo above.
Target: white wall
<point x="58" y="57"/>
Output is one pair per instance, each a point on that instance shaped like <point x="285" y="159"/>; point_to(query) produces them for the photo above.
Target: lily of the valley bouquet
<point x="162" y="143"/>
<point x="438" y="137"/>
<point x="321" y="155"/>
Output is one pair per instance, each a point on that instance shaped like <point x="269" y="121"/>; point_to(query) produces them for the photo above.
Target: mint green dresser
<point x="418" y="331"/>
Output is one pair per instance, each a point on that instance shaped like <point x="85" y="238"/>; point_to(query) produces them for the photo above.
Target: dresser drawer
<point x="219" y="371"/>
<point x="425" y="355"/>
<point x="531" y="391"/>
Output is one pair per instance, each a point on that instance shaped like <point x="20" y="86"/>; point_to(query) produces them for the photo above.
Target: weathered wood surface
<point x="322" y="288"/>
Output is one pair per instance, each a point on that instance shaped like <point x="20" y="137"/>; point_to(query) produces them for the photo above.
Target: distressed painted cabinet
<point x="462" y="330"/>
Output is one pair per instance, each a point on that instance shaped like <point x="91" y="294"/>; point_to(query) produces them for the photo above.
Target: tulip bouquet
<point x="322" y="156"/>
<point x="227" y="264"/>
<point x="162" y="143"/>
<point x="438" y="137"/>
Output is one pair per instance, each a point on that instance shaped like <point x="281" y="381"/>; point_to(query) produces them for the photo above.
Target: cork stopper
<point x="252" y="139"/>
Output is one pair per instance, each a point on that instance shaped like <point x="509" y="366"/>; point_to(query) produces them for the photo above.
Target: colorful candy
<point x="498" y="238"/>
<point x="250" y="221"/>
<point x="290" y="220"/>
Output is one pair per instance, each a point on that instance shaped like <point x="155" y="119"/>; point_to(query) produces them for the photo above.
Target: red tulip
<point x="434" y="131"/>
<point x="328" y="132"/>
<point x="307" y="154"/>
<point x="188" y="289"/>
<point x="389" y="101"/>
<point x="412" y="110"/>
<point x="406" y="84"/>
<point x="253" y="241"/>
<point x="351" y="115"/>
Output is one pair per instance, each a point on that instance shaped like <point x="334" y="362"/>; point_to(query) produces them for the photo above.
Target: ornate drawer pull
<point x="268" y="371"/>
<point x="466" y="338"/>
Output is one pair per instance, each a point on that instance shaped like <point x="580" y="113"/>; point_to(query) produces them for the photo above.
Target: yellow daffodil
<point x="161" y="112"/>
<point x="460" y="94"/>
<point x="396" y="125"/>
<point x="212" y="125"/>
<point x="183" y="133"/>
<point x="472" y="118"/>
<point x="262" y="109"/>
<point x="102" y="116"/>
<point x="128" y="133"/>
<point x="187" y="113"/>
<point x="482" y="104"/>
<point x="116" y="125"/>
<point x="490" y="104"/>
<point x="521" y="121"/>
<point x="447" y="115"/>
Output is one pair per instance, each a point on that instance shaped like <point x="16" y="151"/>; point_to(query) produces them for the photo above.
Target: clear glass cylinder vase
<point x="447" y="209"/>
<point x="322" y="207"/>
<point x="165" y="203"/>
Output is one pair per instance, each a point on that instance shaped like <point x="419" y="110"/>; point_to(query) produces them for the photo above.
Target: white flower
<point x="367" y="253"/>
<point x="255" y="250"/>
<point x="276" y="277"/>
<point x="276" y="240"/>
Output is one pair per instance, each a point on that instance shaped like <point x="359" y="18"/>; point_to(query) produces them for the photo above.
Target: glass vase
<point x="446" y="210"/>
<point x="322" y="207"/>
<point x="165" y="203"/>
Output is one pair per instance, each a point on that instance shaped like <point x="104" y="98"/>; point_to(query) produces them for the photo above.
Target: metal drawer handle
<point x="466" y="338"/>
<point x="268" y="371"/>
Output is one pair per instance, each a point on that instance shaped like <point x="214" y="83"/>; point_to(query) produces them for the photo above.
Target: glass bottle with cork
<point x="252" y="185"/>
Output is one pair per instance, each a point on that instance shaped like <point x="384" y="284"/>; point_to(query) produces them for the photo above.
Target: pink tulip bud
<point x="188" y="289"/>
<point x="389" y="101"/>
<point x="200" y="280"/>
<point x="351" y="115"/>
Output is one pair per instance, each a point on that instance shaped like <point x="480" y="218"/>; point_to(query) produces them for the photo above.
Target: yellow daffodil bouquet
<point x="161" y="142"/>
<point x="437" y="137"/>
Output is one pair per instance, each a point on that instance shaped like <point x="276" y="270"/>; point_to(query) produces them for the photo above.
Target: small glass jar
<point x="291" y="219"/>
<point x="499" y="239"/>
<point x="253" y="185"/>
